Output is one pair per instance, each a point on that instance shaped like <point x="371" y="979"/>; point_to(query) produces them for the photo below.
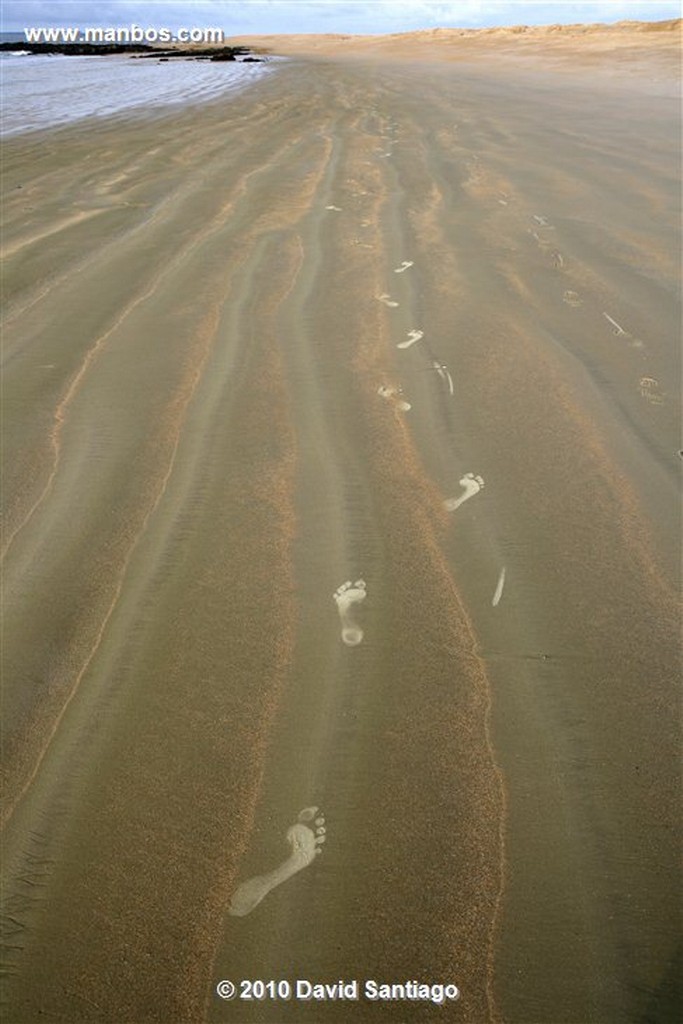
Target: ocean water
<point x="39" y="91"/>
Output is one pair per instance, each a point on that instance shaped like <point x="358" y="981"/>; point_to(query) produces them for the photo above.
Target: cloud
<point x="350" y="16"/>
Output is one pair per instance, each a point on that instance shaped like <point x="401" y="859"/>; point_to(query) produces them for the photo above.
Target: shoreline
<point x="49" y="91"/>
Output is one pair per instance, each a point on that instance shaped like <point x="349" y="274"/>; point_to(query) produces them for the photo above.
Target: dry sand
<point x="652" y="48"/>
<point x="200" y="310"/>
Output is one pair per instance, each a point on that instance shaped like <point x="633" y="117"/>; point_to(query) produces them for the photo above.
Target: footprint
<point x="391" y="393"/>
<point x="572" y="298"/>
<point x="387" y="300"/>
<point x="404" y="266"/>
<point x="413" y="336"/>
<point x="472" y="484"/>
<point x="305" y="842"/>
<point x="650" y="389"/>
<point x="346" y="596"/>
<point x="442" y="371"/>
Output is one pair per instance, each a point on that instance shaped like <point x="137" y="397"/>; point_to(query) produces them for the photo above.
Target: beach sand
<point x="201" y="309"/>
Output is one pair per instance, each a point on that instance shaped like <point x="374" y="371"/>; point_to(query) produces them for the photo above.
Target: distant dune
<point x="628" y="43"/>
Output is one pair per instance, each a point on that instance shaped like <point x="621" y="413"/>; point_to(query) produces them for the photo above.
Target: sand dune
<point x="214" y="325"/>
<point x="651" y="47"/>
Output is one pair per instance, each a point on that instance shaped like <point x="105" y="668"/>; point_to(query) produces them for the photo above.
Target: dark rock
<point x="80" y="49"/>
<point x="140" y="50"/>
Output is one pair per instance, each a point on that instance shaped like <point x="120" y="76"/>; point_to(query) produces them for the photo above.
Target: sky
<point x="246" y="17"/>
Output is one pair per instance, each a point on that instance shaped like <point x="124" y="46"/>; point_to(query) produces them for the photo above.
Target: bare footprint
<point x="386" y="391"/>
<point x="413" y="336"/>
<point x="650" y="389"/>
<point x="572" y="298"/>
<point x="404" y="266"/>
<point x="472" y="484"/>
<point x="305" y="841"/>
<point x="387" y="300"/>
<point x="345" y="596"/>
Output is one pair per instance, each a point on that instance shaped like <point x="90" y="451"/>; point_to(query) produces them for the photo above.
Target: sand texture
<point x="341" y="549"/>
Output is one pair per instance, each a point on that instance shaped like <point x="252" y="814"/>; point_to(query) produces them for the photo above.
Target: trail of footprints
<point x="306" y="836"/>
<point x="572" y="298"/>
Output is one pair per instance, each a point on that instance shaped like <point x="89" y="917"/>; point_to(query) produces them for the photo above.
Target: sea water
<point x="39" y="90"/>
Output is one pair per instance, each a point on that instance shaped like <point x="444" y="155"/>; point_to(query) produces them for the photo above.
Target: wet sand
<point x="199" y="314"/>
